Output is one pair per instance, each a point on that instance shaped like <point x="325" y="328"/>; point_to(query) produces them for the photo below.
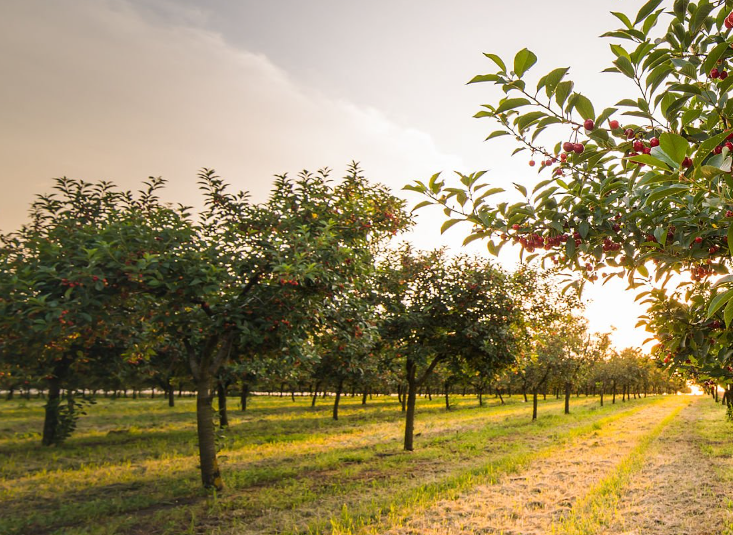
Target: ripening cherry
<point x="568" y="146"/>
<point x="717" y="150"/>
<point x="589" y="124"/>
<point x="629" y="133"/>
<point x="654" y="142"/>
<point x="578" y="148"/>
<point x="723" y="75"/>
<point x="698" y="239"/>
<point x="687" y="162"/>
<point x="638" y="145"/>
<point x="531" y="163"/>
<point x="613" y="124"/>
<point x="714" y="73"/>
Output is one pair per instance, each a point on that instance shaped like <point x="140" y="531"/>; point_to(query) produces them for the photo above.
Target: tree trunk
<point x="498" y="393"/>
<point x="9" y="396"/>
<point x="243" y="395"/>
<point x="51" y="421"/>
<point x="221" y="393"/>
<point x="364" y="396"/>
<point x="411" y="398"/>
<point x="613" y="401"/>
<point x="568" y="388"/>
<point x="524" y="393"/>
<point x="210" y="473"/>
<point x="171" y="396"/>
<point x="338" y="398"/>
<point x="534" y="404"/>
<point x="447" y="398"/>
<point x="480" y="397"/>
<point x="601" y="397"/>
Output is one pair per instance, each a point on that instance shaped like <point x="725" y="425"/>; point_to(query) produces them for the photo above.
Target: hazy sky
<point x="125" y="89"/>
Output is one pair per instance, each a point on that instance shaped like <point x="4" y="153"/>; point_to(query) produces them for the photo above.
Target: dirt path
<point x="530" y="502"/>
<point x="668" y="495"/>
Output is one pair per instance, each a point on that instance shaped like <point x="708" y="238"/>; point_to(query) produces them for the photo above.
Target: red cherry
<point x="718" y="149"/>
<point x="698" y="240"/>
<point x="714" y="73"/>
<point x="647" y="150"/>
<point x="723" y="75"/>
<point x="654" y="142"/>
<point x="613" y="124"/>
<point x="568" y="147"/>
<point x="515" y="226"/>
<point x="638" y="145"/>
<point x="687" y="162"/>
<point x="531" y="163"/>
<point x="589" y="124"/>
<point x="629" y="133"/>
<point x="729" y="213"/>
<point x="578" y="148"/>
<point x="564" y="157"/>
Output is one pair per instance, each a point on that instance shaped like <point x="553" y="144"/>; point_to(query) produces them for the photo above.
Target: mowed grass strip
<point x="597" y="509"/>
<point x="136" y="461"/>
<point x="416" y="503"/>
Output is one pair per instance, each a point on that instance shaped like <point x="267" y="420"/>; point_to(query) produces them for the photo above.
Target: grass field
<point x="131" y="468"/>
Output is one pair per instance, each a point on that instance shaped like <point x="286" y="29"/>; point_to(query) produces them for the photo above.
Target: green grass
<point x="132" y="465"/>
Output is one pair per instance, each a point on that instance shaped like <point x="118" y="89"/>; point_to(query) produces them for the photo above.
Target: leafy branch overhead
<point x="644" y="182"/>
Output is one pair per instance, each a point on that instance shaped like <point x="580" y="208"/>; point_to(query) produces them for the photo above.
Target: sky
<point x="125" y="89"/>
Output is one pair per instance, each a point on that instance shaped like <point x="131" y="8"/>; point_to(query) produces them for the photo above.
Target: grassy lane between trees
<point x="131" y="468"/>
<point x="677" y="480"/>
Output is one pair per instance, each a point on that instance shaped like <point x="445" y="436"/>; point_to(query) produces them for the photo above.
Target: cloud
<point x="95" y="89"/>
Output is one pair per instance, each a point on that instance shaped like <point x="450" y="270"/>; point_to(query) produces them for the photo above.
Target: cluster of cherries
<point x="610" y="245"/>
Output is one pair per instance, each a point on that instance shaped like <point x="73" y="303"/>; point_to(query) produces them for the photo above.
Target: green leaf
<point x="649" y="160"/>
<point x="643" y="271"/>
<point x="497" y="133"/>
<point x="496" y="59"/>
<point x="523" y="61"/>
<point x="553" y="78"/>
<point x="583" y="229"/>
<point x="488" y="192"/>
<point x="421" y="204"/>
<point x="527" y="119"/>
<point x="521" y="189"/>
<point x="448" y="224"/>
<point x="570" y="248"/>
<point x="730" y="234"/>
<point x="584" y="106"/>
<point x="484" y="78"/>
<point x="718" y="302"/>
<point x="713" y="56"/>
<point x="698" y="19"/>
<point x="657" y="76"/>
<point x="668" y="191"/>
<point x="674" y="145"/>
<point x="645" y="10"/>
<point x="563" y="90"/>
<point x="624" y="65"/>
<point x="473" y="237"/>
<point x="623" y="18"/>
<point x="728" y="313"/>
<point x="708" y="145"/>
<point x="511" y="103"/>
